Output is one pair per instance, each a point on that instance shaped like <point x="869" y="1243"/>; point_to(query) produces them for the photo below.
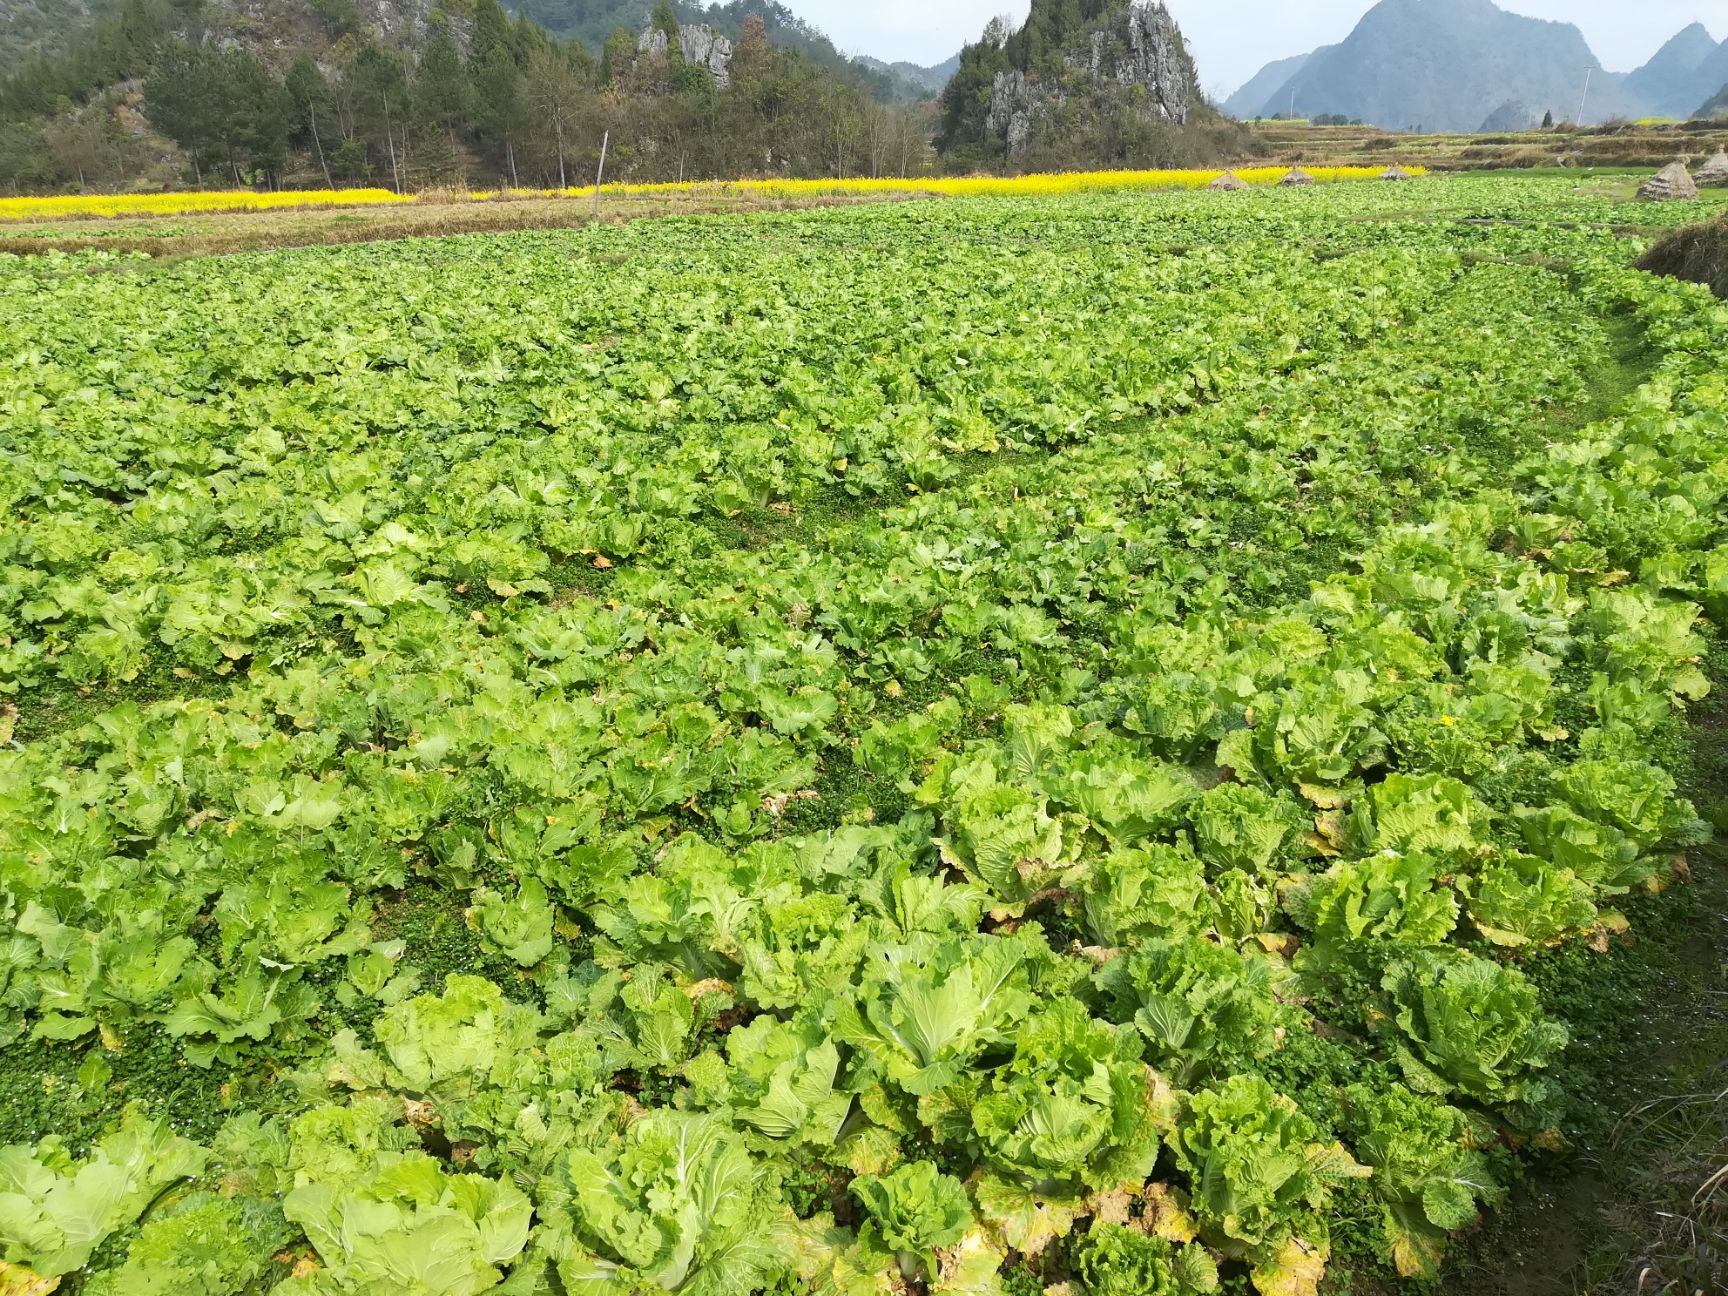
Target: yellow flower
<point x="182" y="204"/>
<point x="1051" y="185"/>
<point x="1048" y="185"/>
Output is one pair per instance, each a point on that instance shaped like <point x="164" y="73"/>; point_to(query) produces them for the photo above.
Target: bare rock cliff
<point x="699" y="45"/>
<point x="1140" y="63"/>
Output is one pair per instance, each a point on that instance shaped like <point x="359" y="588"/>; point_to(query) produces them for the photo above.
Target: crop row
<point x="970" y="743"/>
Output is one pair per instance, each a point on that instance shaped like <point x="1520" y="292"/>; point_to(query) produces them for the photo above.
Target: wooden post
<point x="600" y="175"/>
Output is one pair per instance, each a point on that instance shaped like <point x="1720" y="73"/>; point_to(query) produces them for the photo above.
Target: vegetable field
<point x="956" y="747"/>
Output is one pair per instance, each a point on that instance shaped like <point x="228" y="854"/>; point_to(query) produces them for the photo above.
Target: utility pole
<point x="1584" y="98"/>
<point x="600" y="175"/>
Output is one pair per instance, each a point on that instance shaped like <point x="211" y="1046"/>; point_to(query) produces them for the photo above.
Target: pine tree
<point x="752" y="54"/>
<point x="496" y="82"/>
<point x="222" y="106"/>
<point x="618" y="56"/>
<point x="441" y="83"/>
<point x="665" y="21"/>
<point x="493" y="37"/>
<point x="309" y="92"/>
<point x="381" y="86"/>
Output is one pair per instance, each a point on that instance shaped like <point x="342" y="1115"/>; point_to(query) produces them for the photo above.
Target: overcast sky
<point x="1233" y="39"/>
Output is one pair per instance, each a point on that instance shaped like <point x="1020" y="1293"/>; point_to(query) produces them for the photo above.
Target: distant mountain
<point x="1434" y="64"/>
<point x="929" y="79"/>
<point x="1712" y="74"/>
<point x="272" y="29"/>
<point x="1716" y="106"/>
<point x="1251" y="100"/>
<point x="1512" y="116"/>
<point x="1672" y="83"/>
<point x="592" y="21"/>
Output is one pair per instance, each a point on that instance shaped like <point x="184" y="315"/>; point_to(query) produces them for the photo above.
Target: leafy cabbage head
<point x="1472" y="1027"/>
<point x="680" y="1207"/>
<point x="913" y="1212"/>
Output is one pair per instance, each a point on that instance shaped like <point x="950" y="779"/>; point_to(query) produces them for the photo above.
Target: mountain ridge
<point x="1252" y="96"/>
<point x="932" y="78"/>
<point x="1668" y="82"/>
<point x="1711" y="79"/>
<point x="35" y="28"/>
<point x="1439" y="64"/>
<point x="593" y="21"/>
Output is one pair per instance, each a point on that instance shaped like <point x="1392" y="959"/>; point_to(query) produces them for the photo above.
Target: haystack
<point x="1229" y="180"/>
<point x="1671" y="184"/>
<point x="1396" y="173"/>
<point x="1298" y="176"/>
<point x="1714" y="173"/>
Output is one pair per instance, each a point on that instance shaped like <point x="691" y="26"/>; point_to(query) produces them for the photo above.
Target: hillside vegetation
<point x="408" y="95"/>
<point x="594" y="21"/>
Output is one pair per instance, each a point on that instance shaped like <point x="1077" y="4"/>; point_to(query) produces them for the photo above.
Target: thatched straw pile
<point x="1714" y="173"/>
<point x="1230" y="181"/>
<point x="1671" y="184"/>
<point x="1396" y="173"/>
<point x="1297" y="176"/>
<point x="1698" y="253"/>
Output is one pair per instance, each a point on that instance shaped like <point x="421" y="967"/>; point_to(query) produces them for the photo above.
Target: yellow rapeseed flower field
<point x="1073" y="182"/>
<point x="1068" y="182"/>
<point x="183" y="204"/>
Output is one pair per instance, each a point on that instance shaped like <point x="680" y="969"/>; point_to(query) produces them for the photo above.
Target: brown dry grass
<point x="228" y="232"/>
<point x="1698" y="253"/>
<point x="1677" y="1149"/>
<point x="1624" y="145"/>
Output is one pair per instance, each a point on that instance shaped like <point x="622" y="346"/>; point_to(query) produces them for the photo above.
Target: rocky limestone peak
<point x="1140" y="49"/>
<point x="1156" y="58"/>
<point x="1513" y="115"/>
<point x="699" y="45"/>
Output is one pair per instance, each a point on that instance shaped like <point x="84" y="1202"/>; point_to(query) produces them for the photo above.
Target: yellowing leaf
<point x="872" y="1150"/>
<point x="1330" y="826"/>
<point x="1113" y="1207"/>
<point x="1027" y="1221"/>
<point x="1323" y="798"/>
<point x="1166" y="1215"/>
<point x="1417" y="1255"/>
<point x="969" y="1267"/>
<point x="16" y="1280"/>
<point x="1321" y="845"/>
<point x="1296" y="1270"/>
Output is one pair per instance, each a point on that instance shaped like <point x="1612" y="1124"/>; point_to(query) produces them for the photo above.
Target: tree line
<point x="491" y="101"/>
